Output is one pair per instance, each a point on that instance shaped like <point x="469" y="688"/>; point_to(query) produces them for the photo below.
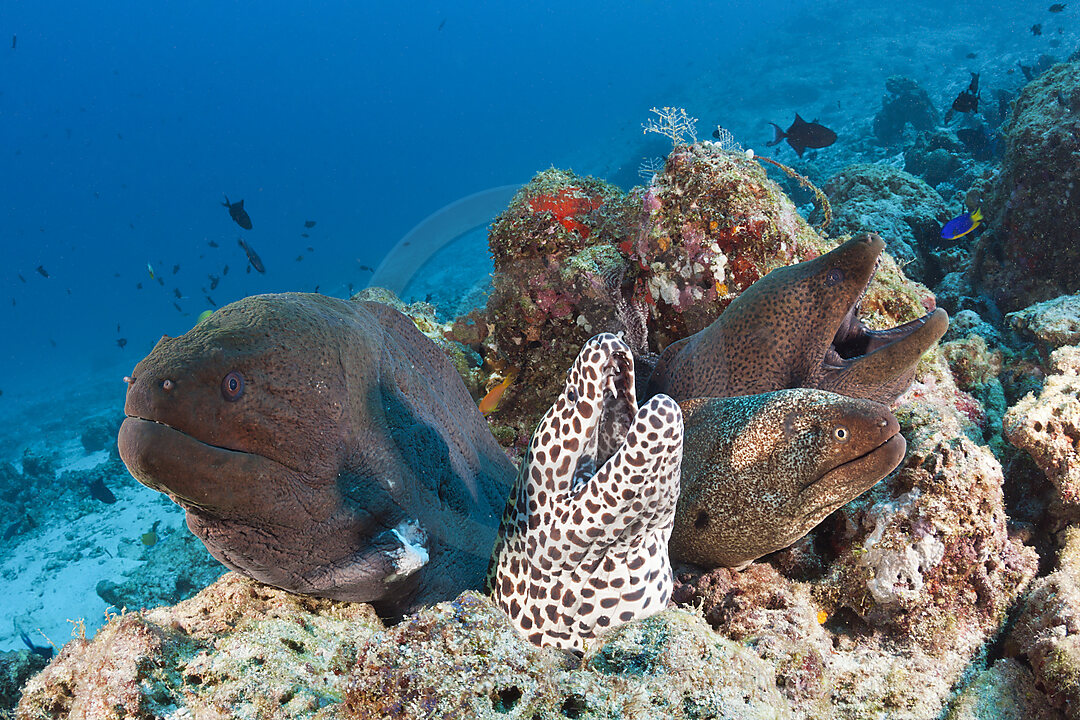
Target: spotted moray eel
<point x="583" y="543"/>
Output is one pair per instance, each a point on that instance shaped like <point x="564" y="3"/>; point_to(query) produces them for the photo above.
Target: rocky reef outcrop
<point x="1030" y="252"/>
<point x="900" y="207"/>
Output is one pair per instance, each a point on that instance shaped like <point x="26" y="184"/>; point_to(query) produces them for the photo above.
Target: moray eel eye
<point x="571" y="395"/>
<point x="841" y="434"/>
<point x="834" y="277"/>
<point x="232" y="386"/>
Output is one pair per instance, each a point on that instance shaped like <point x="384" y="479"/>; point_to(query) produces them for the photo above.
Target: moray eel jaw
<point x="188" y="470"/>
<point x="878" y="364"/>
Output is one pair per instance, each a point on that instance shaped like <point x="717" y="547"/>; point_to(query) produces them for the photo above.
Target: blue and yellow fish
<point x="960" y="226"/>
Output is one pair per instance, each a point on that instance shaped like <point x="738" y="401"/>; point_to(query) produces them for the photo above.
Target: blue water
<point x="125" y="124"/>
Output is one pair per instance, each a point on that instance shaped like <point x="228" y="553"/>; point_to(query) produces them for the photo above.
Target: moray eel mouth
<point x="854" y="340"/>
<point x="853" y="477"/>
<point x="193" y="472"/>
<point x="607" y="384"/>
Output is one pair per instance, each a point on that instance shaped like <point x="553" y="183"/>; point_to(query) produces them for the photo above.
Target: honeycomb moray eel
<point x="799" y="326"/>
<point x="323" y="446"/>
<point x="761" y="471"/>
<point x="583" y="544"/>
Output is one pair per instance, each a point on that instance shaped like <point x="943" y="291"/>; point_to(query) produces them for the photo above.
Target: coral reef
<point x="927" y="553"/>
<point x="1007" y="690"/>
<point x="1047" y="426"/>
<point x="1027" y="255"/>
<point x="904" y="103"/>
<point x="1047" y="632"/>
<point x="901" y="208"/>
<point x="238" y="649"/>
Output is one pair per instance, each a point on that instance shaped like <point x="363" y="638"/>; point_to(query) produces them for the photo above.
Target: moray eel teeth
<point x="583" y="540"/>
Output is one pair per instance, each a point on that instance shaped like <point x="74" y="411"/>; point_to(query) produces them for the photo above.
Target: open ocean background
<point x="125" y="124"/>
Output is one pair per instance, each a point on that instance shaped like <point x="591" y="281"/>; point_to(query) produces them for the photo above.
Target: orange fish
<point x="490" y="402"/>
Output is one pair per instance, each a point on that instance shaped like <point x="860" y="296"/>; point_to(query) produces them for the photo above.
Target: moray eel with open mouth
<point x="322" y="446"/>
<point x="799" y="326"/>
<point x="761" y="471"/>
<point x="583" y="544"/>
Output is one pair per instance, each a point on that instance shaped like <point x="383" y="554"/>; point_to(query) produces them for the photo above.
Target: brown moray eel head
<point x="761" y="471"/>
<point x="323" y="446"/>
<point x="799" y="326"/>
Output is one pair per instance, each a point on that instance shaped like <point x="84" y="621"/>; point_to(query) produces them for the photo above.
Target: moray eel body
<point x="799" y="326"/>
<point x="323" y="446"/>
<point x="584" y="539"/>
<point x="761" y="471"/>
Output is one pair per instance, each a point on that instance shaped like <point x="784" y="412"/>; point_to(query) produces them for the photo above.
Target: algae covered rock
<point x="464" y="659"/>
<point x="1007" y="690"/>
<point x="1051" y="324"/>
<point x="928" y="554"/>
<point x="238" y="649"/>
<point x="900" y="207"/>
<point x="1031" y="252"/>
<point x="1047" y="632"/>
<point x="1047" y="426"/>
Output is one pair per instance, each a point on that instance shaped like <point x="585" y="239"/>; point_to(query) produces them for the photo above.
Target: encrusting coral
<point x="583" y="543"/>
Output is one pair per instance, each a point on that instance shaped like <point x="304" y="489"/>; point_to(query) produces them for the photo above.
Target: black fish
<point x="214" y="280"/>
<point x="211" y="243"/>
<point x="309" y="224"/>
<point x="13" y="41"/>
<point x="238" y="213"/>
<point x="210" y="300"/>
<point x="177" y="293"/>
<point x="122" y="342"/>
<point x="42" y="271"/>
<point x="138" y="286"/>
<point x="971" y="55"/>
<point x="252" y="256"/>
<point x="178" y="308"/>
<point x="98" y="491"/>
<point x="967" y="101"/>
<point x="299" y="258"/>
<point x="311" y="249"/>
<point x="225" y="270"/>
<point x="175" y="269"/>
<point x="1036" y="29"/>
<point x="160" y="281"/>
<point x="304" y="235"/>
<point x="366" y="268"/>
<point x="1055" y="8"/>
<point x="44" y="651"/>
<point x="21" y="277"/>
<point x="442" y="24"/>
<point x="802" y="135"/>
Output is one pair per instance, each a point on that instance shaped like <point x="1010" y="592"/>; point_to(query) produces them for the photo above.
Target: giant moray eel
<point x="584" y="539"/>
<point x="322" y="446"/>
<point x="761" y="471"/>
<point x="799" y="326"/>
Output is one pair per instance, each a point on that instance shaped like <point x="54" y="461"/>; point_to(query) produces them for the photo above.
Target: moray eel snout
<point x="760" y="471"/>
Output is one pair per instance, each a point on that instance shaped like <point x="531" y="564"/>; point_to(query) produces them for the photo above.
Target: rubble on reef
<point x="1050" y="324"/>
<point x="1027" y="254"/>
